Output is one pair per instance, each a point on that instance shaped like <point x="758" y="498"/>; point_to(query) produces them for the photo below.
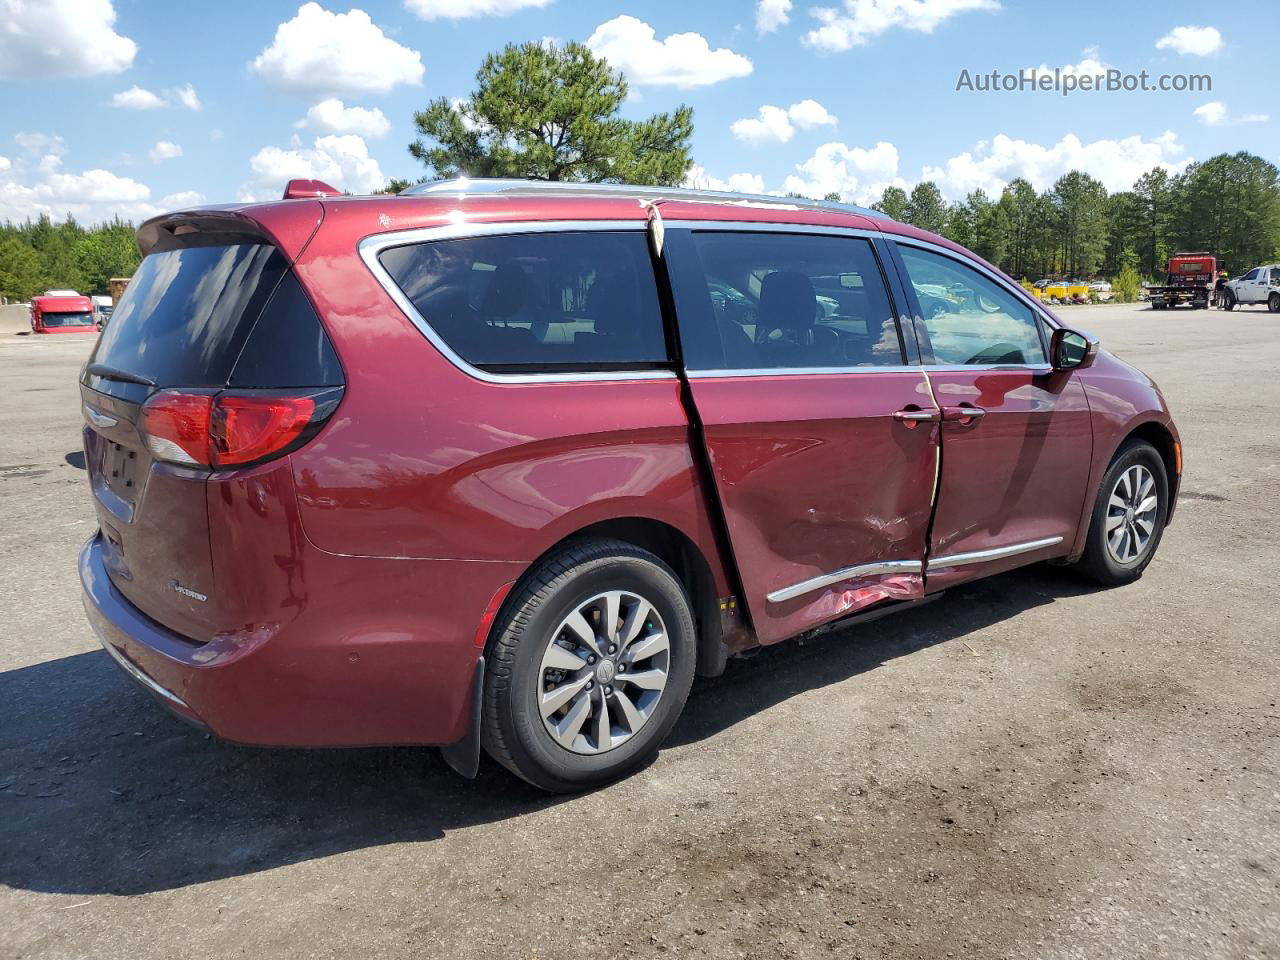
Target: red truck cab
<point x="60" y="314"/>
<point x="1190" y="280"/>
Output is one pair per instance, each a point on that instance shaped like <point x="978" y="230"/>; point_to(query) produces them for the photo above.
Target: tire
<point x="1273" y="303"/>
<point x="531" y="654"/>
<point x="1229" y="301"/>
<point x="1104" y="560"/>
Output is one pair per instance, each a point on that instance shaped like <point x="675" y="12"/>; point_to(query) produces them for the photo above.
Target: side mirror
<point x="1071" y="349"/>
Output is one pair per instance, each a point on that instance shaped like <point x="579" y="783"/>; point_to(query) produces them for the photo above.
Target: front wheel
<point x="1273" y="303"/>
<point x="1128" y="516"/>
<point x="590" y="667"/>
<point x="1228" y="301"/>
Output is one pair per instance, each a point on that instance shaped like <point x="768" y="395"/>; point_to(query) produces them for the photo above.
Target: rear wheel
<point x="1273" y="303"/>
<point x="1128" y="516"/>
<point x="590" y="668"/>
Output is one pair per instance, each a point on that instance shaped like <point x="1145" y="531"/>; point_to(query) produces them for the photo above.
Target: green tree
<point x="1018" y="210"/>
<point x="925" y="207"/>
<point x="20" y="273"/>
<point x="892" y="203"/>
<point x="550" y="112"/>
<point x="1151" y="214"/>
<point x="961" y="224"/>
<point x="1228" y="205"/>
<point x="1079" y="203"/>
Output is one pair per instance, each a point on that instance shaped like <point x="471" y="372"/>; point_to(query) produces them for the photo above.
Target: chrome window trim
<point x="847" y="573"/>
<point x="370" y="247"/>
<point x="992" y="553"/>
<point x="797" y="371"/>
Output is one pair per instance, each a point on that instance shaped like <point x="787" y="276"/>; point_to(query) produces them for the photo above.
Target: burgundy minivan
<point x="507" y="464"/>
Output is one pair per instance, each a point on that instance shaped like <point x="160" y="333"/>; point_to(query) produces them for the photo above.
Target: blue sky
<point x="136" y="106"/>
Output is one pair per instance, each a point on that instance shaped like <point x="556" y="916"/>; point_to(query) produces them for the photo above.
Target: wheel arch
<point x="676" y="549"/>
<point x="1161" y="437"/>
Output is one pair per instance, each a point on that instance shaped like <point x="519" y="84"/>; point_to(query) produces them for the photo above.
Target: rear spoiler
<point x="288" y="225"/>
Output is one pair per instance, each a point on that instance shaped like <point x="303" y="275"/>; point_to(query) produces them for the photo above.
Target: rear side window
<point x="785" y="301"/>
<point x="540" y="301"/>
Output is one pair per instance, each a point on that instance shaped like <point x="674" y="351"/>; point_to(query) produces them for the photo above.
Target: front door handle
<point x="963" y="413"/>
<point x="913" y="414"/>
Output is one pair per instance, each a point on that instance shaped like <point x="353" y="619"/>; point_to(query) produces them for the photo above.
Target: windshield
<point x="67" y="319"/>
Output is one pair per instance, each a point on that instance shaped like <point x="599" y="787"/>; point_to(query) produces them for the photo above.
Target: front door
<point x="822" y="442"/>
<point x="1016" y="435"/>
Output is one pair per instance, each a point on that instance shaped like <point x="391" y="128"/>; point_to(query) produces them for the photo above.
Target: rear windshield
<point x="568" y="301"/>
<point x="67" y="319"/>
<point x="186" y="314"/>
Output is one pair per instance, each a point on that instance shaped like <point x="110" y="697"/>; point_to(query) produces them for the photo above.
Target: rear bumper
<point x="387" y="660"/>
<point x="121" y="628"/>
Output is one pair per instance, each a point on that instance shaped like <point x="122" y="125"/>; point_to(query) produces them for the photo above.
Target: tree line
<point x="1228" y="205"/>
<point x="40" y="255"/>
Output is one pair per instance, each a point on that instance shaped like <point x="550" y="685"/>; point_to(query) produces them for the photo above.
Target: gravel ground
<point x="1029" y="767"/>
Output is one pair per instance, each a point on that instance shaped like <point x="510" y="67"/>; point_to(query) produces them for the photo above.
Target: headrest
<point x="612" y="303"/>
<point x="507" y="292"/>
<point x="787" y="301"/>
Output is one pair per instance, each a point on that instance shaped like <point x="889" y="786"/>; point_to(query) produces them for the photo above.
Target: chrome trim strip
<point x="128" y="667"/>
<point x="752" y="226"/>
<point x="99" y="419"/>
<point x="799" y="371"/>
<point x="994" y="553"/>
<point x="371" y="246"/>
<point x="848" y="573"/>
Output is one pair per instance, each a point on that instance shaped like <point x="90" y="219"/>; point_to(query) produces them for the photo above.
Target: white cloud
<point x="136" y="98"/>
<point x="165" y="150"/>
<point x="777" y="125"/>
<point x="91" y="196"/>
<point x="44" y="143"/>
<point x="856" y="173"/>
<point x="341" y="161"/>
<point x="1091" y="65"/>
<point x="61" y="38"/>
<point x="183" y="199"/>
<point x="186" y="95"/>
<point x="318" y="52"/>
<point x="1117" y="163"/>
<point x="1215" y="114"/>
<point x="1198" y="41"/>
<point x="461" y="9"/>
<point x="332" y="116"/>
<point x="861" y="20"/>
<point x="683" y="60"/>
<point x="772" y="14"/>
<point x="698" y="179"/>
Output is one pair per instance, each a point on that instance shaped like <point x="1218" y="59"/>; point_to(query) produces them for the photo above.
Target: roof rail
<point x="469" y="186"/>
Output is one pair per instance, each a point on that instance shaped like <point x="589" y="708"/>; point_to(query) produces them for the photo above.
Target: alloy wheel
<point x="603" y="672"/>
<point x="1131" y="514"/>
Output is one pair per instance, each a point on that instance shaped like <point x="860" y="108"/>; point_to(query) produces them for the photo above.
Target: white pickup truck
<point x="1259" y="285"/>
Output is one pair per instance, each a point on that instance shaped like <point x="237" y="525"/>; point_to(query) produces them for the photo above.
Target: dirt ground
<point x="1027" y="768"/>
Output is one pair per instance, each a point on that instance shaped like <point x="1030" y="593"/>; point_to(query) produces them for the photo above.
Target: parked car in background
<point x="1259" y="285"/>
<point x="505" y="465"/>
<point x="59" y="313"/>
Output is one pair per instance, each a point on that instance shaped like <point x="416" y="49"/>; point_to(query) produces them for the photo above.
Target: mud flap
<point x="464" y="756"/>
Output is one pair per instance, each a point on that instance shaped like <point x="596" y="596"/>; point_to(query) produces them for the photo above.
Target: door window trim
<point x="371" y="246"/>
<point x="689" y="227"/>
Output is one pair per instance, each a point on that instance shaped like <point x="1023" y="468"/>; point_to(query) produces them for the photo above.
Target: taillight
<point x="223" y="430"/>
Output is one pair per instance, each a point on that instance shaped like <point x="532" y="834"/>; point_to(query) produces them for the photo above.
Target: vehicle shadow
<point x="103" y="792"/>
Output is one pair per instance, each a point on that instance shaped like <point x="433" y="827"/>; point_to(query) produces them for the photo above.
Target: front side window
<point x="1252" y="274"/>
<point x="537" y="301"/>
<point x="969" y="319"/>
<point x="786" y="301"/>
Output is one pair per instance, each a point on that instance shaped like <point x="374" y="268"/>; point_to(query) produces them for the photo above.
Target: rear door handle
<point x="962" y="413"/>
